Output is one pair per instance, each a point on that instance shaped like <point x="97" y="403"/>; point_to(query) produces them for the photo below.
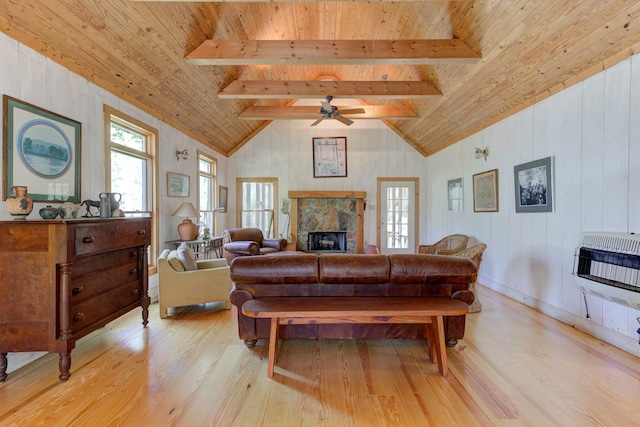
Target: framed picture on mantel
<point x="330" y="157"/>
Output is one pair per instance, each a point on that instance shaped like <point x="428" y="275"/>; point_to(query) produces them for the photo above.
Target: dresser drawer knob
<point x="133" y="271"/>
<point x="78" y="317"/>
<point x="135" y="292"/>
<point x="77" y="290"/>
<point x="133" y="254"/>
<point x="142" y="232"/>
<point x="88" y="239"/>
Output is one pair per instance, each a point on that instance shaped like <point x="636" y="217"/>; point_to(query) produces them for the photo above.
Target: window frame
<point x="239" y="200"/>
<point x="214" y="190"/>
<point x="149" y="155"/>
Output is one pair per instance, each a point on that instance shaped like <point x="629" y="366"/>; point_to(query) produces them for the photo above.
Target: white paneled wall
<point x="31" y="77"/>
<point x="284" y="150"/>
<point x="592" y="130"/>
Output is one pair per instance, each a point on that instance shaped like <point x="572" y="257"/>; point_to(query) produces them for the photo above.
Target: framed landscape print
<point x="41" y="151"/>
<point x="485" y="191"/>
<point x="330" y="157"/>
<point x="177" y="185"/>
<point x="455" y="195"/>
<point x="533" y="182"/>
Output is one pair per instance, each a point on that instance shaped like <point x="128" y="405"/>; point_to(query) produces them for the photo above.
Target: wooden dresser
<point x="62" y="279"/>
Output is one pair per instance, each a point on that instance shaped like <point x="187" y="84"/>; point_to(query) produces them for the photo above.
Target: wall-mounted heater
<point x="607" y="265"/>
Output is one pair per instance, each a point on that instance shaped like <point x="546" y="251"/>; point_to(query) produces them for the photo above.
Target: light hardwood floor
<point x="515" y="367"/>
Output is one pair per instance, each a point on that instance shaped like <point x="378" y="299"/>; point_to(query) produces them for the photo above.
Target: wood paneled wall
<point x="593" y="131"/>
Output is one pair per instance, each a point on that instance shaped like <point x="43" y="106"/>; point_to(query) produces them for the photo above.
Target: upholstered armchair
<point x="249" y="241"/>
<point x="449" y="245"/>
<point x="210" y="281"/>
<point x="474" y="253"/>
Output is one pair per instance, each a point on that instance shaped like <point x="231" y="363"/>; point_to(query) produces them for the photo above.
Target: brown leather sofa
<point x="249" y="241"/>
<point x="298" y="274"/>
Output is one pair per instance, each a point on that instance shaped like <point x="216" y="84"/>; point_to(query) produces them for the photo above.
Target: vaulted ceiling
<point x="461" y="65"/>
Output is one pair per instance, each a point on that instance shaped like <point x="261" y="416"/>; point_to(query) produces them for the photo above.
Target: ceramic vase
<point x="19" y="204"/>
<point x="68" y="210"/>
<point x="49" y="212"/>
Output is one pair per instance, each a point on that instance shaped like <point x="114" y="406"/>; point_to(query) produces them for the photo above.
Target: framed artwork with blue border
<point x="41" y="151"/>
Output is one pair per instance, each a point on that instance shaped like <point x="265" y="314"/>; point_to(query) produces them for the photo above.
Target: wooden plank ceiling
<point x="144" y="52"/>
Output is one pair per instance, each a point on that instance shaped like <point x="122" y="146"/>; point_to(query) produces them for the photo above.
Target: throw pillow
<point x="187" y="257"/>
<point x="174" y="261"/>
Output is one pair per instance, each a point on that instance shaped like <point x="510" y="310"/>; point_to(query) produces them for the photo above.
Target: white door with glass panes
<point x="398" y="210"/>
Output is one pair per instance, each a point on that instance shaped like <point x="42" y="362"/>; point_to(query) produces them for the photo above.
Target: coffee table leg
<point x="432" y="337"/>
<point x="441" y="350"/>
<point x="273" y="344"/>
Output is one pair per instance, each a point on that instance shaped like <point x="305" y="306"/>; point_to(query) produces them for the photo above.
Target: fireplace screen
<point x="327" y="241"/>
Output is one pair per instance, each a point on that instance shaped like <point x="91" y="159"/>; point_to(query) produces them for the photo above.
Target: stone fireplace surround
<point x="328" y="211"/>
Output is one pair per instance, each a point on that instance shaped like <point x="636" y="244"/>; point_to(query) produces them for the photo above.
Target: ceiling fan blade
<point x="343" y="120"/>
<point x="317" y="121"/>
<point x="353" y="111"/>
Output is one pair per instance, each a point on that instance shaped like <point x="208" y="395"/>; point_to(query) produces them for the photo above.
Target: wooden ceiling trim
<point x="378" y="112"/>
<point x="293" y="1"/>
<point x="332" y="52"/>
<point x="277" y="89"/>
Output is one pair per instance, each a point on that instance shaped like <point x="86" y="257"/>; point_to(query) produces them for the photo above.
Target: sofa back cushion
<point x="283" y="268"/>
<point x="353" y="269"/>
<point x="425" y="268"/>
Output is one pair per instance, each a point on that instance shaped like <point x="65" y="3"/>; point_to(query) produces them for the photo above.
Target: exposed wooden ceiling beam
<point x="332" y="52"/>
<point x="379" y="112"/>
<point x="278" y="89"/>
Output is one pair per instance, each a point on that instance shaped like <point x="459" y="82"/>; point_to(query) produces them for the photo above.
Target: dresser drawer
<point x="96" y="309"/>
<point x="90" y="286"/>
<point x="109" y="235"/>
<point x="96" y="264"/>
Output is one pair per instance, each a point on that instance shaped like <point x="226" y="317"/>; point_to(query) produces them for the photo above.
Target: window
<point x="257" y="204"/>
<point x="131" y="168"/>
<point x="207" y="171"/>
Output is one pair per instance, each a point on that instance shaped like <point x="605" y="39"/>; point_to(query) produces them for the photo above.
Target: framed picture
<point x="485" y="191"/>
<point x="330" y="157"/>
<point x="222" y="198"/>
<point x="41" y="151"/>
<point x="177" y="185"/>
<point x="455" y="195"/>
<point x="534" y="186"/>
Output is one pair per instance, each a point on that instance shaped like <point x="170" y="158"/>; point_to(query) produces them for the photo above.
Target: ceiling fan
<point x="331" y="112"/>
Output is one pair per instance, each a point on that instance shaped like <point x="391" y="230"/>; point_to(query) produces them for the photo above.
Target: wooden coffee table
<point x="323" y="310"/>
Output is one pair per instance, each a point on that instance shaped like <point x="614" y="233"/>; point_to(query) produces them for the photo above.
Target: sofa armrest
<point x="464" y="295"/>
<point x="246" y="324"/>
<point x="245" y="247"/>
<point x="277" y="244"/>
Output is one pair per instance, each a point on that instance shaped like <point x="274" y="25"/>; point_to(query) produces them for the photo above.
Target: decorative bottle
<point x="19" y="204"/>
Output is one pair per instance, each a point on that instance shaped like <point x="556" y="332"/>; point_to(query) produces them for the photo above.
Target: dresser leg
<point x="65" y="365"/>
<point x="145" y="310"/>
<point x="3" y="367"/>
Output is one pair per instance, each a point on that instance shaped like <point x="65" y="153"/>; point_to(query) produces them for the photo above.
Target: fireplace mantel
<point x="359" y="196"/>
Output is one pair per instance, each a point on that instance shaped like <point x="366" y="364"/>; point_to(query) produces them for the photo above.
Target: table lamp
<point x="187" y="229"/>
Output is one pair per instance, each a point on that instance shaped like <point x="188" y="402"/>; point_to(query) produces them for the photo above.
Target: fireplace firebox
<point x="327" y="241"/>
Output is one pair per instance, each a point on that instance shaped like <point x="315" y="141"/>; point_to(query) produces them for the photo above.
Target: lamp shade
<point x="186" y="209"/>
<point x="187" y="229"/>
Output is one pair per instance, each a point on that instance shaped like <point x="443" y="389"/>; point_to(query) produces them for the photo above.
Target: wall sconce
<point x="482" y="153"/>
<point x="184" y="155"/>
